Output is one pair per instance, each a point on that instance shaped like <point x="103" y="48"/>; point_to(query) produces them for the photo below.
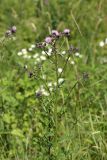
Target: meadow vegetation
<point x="53" y="80"/>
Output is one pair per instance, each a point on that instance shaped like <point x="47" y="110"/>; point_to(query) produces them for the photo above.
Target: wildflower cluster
<point x="48" y="53"/>
<point x="8" y="34"/>
<point x="11" y="31"/>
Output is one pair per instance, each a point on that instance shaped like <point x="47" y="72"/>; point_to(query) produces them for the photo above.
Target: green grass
<point x="78" y="122"/>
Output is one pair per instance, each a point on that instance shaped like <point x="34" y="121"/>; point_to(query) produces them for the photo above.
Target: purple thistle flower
<point x="66" y="31"/>
<point x="55" y="33"/>
<point x="48" y="40"/>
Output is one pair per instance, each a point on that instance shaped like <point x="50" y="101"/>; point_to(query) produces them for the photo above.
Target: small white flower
<point x="27" y="56"/>
<point x="49" y="53"/>
<point x="60" y="70"/>
<point x="43" y="58"/>
<point x="24" y="51"/>
<point x="38" y="59"/>
<point x="77" y="54"/>
<point x="50" y="50"/>
<point x="43" y="52"/>
<point x="51" y="89"/>
<point x="33" y="46"/>
<point x="101" y="44"/>
<point x="72" y="62"/>
<point x="30" y="49"/>
<point x="45" y="93"/>
<point x="49" y="84"/>
<point x="35" y="55"/>
<point x="19" y="53"/>
<point x="60" y="80"/>
<point x="63" y="52"/>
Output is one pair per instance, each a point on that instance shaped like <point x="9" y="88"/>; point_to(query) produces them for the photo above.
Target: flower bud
<point x="8" y="33"/>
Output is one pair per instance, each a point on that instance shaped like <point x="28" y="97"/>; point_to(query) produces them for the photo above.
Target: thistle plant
<point x="51" y="61"/>
<point x="8" y="34"/>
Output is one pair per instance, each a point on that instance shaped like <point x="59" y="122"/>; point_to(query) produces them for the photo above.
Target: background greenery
<point x="21" y="120"/>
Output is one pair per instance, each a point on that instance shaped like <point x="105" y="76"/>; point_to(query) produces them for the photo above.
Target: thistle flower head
<point x="48" y="40"/>
<point x="55" y="33"/>
<point x="13" y="29"/>
<point x="66" y="31"/>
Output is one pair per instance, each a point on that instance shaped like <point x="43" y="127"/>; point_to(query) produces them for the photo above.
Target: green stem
<point x="55" y="108"/>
